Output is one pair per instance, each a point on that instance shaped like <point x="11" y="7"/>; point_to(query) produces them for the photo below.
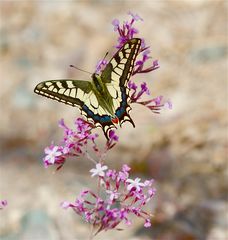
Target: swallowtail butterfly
<point x="104" y="100"/>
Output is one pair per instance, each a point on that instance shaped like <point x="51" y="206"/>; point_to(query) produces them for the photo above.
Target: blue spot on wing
<point x="96" y="117"/>
<point x="122" y="109"/>
<point x="105" y="119"/>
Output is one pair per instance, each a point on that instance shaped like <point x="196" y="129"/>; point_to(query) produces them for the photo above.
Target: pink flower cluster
<point x="154" y="104"/>
<point x="126" y="32"/>
<point x="118" y="197"/>
<point x="75" y="143"/>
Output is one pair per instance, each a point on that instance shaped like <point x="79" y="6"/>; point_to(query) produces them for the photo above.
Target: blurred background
<point x="184" y="150"/>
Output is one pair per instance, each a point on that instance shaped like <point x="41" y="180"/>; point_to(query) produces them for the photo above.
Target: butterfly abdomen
<point x="102" y="94"/>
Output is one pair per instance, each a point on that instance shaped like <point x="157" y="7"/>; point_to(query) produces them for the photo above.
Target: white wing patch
<point x="115" y="77"/>
<point x="61" y="91"/>
<point x="70" y="84"/>
<point x="94" y="101"/>
<point x="73" y="93"/>
<point x="116" y="103"/>
<point x="121" y="54"/>
<point x="80" y="93"/>
<point x="67" y="92"/>
<point x="124" y="60"/>
<point x="118" y="71"/>
<point x="113" y="92"/>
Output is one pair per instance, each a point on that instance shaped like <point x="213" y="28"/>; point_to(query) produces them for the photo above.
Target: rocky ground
<point x="184" y="150"/>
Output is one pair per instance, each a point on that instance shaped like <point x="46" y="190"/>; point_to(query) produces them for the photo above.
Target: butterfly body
<point x="104" y="100"/>
<point x="102" y="94"/>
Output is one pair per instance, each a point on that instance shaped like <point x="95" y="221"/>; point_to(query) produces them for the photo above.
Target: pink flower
<point x="3" y="204"/>
<point x="115" y="23"/>
<point x="135" y="17"/>
<point x="132" y="85"/>
<point x="113" y="136"/>
<point x="113" y="194"/>
<point x="123" y="175"/>
<point x="147" y="223"/>
<point x="134" y="184"/>
<point x="148" y="183"/>
<point x="111" y="174"/>
<point x="145" y="88"/>
<point x="168" y="104"/>
<point x="65" y="204"/>
<point x="126" y="168"/>
<point x="52" y="154"/>
<point x="113" y="139"/>
<point x="99" y="170"/>
<point x="100" y="66"/>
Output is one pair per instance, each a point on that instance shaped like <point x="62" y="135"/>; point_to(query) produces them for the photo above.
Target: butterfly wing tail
<point x="126" y="117"/>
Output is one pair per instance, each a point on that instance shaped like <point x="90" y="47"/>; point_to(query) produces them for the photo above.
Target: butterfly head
<point x="95" y="75"/>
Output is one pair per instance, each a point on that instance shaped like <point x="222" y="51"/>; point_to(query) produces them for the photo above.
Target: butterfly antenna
<point x="80" y="69"/>
<point x="106" y="54"/>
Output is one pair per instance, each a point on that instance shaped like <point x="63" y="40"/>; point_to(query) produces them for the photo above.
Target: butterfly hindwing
<point x="116" y="76"/>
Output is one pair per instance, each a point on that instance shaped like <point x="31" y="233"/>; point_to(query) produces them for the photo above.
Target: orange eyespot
<point x="115" y="120"/>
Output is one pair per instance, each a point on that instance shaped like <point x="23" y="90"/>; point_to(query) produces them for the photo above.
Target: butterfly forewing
<point x="71" y="92"/>
<point x="75" y="93"/>
<point x="118" y="71"/>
